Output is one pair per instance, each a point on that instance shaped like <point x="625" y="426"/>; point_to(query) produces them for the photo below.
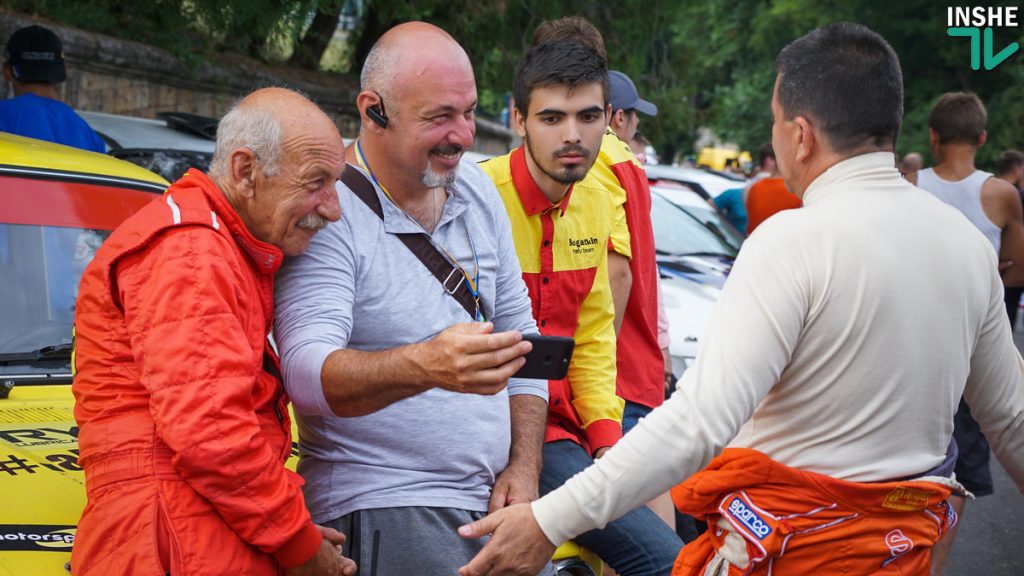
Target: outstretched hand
<point x="517" y="546"/>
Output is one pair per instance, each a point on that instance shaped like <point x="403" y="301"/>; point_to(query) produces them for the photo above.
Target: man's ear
<point x="365" y="100"/>
<point x="614" y="119"/>
<point x="244" y="168"/>
<point x="8" y="73"/>
<point x="983" y="138"/>
<point x="518" y="122"/>
<point x="807" y="138"/>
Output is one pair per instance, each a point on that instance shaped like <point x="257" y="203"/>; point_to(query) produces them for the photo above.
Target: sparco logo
<point x="739" y="509"/>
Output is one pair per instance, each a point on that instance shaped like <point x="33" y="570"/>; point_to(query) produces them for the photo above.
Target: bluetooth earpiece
<point x="378" y="115"/>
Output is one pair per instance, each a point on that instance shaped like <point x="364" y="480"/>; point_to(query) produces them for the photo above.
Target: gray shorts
<point x="410" y="541"/>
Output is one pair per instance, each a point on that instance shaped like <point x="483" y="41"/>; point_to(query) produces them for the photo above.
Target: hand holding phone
<point x="549" y="359"/>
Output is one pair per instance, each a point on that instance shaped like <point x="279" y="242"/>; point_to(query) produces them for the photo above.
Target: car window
<point x="678" y="233"/>
<point x="713" y="220"/>
<point x="170" y="164"/>
<point x="49" y="232"/>
<point x="41" y="267"/>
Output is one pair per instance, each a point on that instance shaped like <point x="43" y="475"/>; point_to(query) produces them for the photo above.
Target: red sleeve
<point x="184" y="301"/>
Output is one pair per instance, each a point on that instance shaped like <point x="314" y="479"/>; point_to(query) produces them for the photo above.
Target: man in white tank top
<point x="956" y="128"/>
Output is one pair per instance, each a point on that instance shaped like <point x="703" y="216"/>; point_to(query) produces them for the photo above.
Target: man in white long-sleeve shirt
<point x="836" y="357"/>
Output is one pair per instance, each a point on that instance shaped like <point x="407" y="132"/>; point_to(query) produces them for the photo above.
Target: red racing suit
<point x="781" y="520"/>
<point x="184" y="426"/>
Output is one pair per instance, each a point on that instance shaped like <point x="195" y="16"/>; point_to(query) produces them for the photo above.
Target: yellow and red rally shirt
<point x="563" y="251"/>
<point x="641" y="377"/>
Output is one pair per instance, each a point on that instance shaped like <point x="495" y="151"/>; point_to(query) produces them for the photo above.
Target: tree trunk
<point x="311" y="48"/>
<point x="369" y="32"/>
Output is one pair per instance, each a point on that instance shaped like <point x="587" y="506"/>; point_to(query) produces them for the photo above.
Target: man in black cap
<point x="34" y="65"/>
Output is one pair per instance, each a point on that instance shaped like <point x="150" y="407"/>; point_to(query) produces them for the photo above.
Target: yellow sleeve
<point x="592" y="370"/>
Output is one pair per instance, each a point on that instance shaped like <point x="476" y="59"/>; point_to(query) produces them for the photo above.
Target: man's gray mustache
<point x="313" y="222"/>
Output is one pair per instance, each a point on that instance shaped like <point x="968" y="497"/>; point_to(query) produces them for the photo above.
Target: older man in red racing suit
<point x="183" y="417"/>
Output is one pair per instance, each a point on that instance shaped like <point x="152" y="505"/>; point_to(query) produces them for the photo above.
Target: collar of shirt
<point x="534" y="201"/>
<point x="265" y="256"/>
<point x="396" y="222"/>
<point x="870" y="168"/>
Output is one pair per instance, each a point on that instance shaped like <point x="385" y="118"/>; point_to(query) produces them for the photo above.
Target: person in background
<point x="184" y="427"/>
<point x="730" y="204"/>
<point x="638" y="145"/>
<point x="765" y="168"/>
<point x="814" y="429"/>
<point x="34" y="66"/>
<point x="1010" y="167"/>
<point x="911" y="164"/>
<point x="956" y="129"/>
<point x="769" y="196"/>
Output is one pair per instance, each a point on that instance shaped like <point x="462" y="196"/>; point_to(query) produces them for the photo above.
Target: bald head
<point x="408" y="54"/>
<point x="263" y="122"/>
<point x="911" y="163"/>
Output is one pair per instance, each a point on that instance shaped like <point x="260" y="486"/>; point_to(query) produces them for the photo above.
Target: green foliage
<point x="639" y="37"/>
<point x="164" y="23"/>
<point x="734" y="43"/>
<point x="255" y="27"/>
<point x="706" y="63"/>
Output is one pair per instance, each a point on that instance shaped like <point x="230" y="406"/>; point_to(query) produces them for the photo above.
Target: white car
<point x="169" y="145"/>
<point x="688" y="306"/>
<point x="711" y="183"/>
<point x="693" y="262"/>
<point x="696" y="206"/>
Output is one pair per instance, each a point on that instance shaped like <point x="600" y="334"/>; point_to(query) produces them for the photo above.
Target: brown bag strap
<point x="449" y="275"/>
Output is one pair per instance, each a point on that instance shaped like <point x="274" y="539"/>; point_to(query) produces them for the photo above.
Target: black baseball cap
<point x="625" y="97"/>
<point x="35" y="54"/>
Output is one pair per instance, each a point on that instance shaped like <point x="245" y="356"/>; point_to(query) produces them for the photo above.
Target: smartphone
<point x="549" y="359"/>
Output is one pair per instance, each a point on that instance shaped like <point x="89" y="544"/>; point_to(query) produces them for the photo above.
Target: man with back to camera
<point x="409" y="422"/>
<point x="184" y="428"/>
<point x="956" y="129"/>
<point x="562" y="229"/>
<point x="844" y="376"/>
<point x="34" y="65"/>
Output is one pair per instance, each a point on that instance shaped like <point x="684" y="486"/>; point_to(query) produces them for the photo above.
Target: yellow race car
<point x="57" y="205"/>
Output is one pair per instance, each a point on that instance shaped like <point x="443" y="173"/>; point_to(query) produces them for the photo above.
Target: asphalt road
<point x="991" y="537"/>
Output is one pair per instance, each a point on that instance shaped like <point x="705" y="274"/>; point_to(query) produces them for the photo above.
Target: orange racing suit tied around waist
<point x="764" y="517"/>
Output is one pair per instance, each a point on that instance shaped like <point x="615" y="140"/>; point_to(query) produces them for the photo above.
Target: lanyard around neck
<point x="473" y="284"/>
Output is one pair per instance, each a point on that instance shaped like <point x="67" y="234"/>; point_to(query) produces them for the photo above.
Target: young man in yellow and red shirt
<point x="562" y="232"/>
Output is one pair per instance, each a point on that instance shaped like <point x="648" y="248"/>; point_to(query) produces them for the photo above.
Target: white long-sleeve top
<point x="841" y="345"/>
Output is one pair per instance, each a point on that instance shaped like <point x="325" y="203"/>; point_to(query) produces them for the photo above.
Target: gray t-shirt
<point x="359" y="287"/>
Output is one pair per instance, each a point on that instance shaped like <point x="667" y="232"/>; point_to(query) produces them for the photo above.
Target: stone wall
<point x="106" y="74"/>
